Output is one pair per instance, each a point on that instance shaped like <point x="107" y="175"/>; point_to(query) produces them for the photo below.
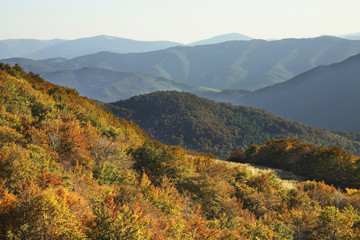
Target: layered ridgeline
<point x="109" y="86"/>
<point x="245" y="65"/>
<point x="326" y="97"/>
<point x="71" y="170"/>
<point x="45" y="49"/>
<point x="208" y="126"/>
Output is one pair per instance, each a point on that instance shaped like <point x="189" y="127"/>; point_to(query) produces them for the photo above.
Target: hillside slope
<point x="208" y="126"/>
<point x="326" y="97"/>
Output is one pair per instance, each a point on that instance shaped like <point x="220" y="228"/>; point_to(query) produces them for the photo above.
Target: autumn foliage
<point x="71" y="170"/>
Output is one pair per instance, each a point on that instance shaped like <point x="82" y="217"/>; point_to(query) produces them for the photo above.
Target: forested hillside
<point x="71" y="170"/>
<point x="208" y="126"/>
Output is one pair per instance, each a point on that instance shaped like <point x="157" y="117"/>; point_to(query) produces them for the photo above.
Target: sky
<point x="182" y="21"/>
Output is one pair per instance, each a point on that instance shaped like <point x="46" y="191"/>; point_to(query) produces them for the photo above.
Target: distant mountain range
<point x="84" y="46"/>
<point x="327" y="96"/>
<point x="209" y="126"/>
<point x="248" y="65"/>
<point x="222" y="38"/>
<point x="109" y="86"/>
<point x="44" y="49"/>
<point x="23" y="47"/>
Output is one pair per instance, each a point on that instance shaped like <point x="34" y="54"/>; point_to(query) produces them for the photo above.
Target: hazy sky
<point x="177" y="20"/>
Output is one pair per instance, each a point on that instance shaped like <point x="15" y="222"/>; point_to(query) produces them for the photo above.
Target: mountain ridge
<point x="247" y="65"/>
<point x="326" y="96"/>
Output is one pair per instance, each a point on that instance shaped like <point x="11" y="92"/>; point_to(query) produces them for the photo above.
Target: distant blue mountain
<point x="59" y="48"/>
<point x="89" y="45"/>
<point x="22" y="47"/>
<point x="327" y="96"/>
<point x="108" y="86"/>
<point x="247" y="65"/>
<point x="222" y="38"/>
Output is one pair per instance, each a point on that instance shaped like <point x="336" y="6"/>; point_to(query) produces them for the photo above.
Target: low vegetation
<point x="332" y="165"/>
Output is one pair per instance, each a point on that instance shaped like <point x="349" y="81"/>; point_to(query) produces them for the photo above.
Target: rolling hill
<point x="326" y="97"/>
<point x="208" y="126"/>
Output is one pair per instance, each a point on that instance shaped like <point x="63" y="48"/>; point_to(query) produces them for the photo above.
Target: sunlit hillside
<point x="71" y="170"/>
